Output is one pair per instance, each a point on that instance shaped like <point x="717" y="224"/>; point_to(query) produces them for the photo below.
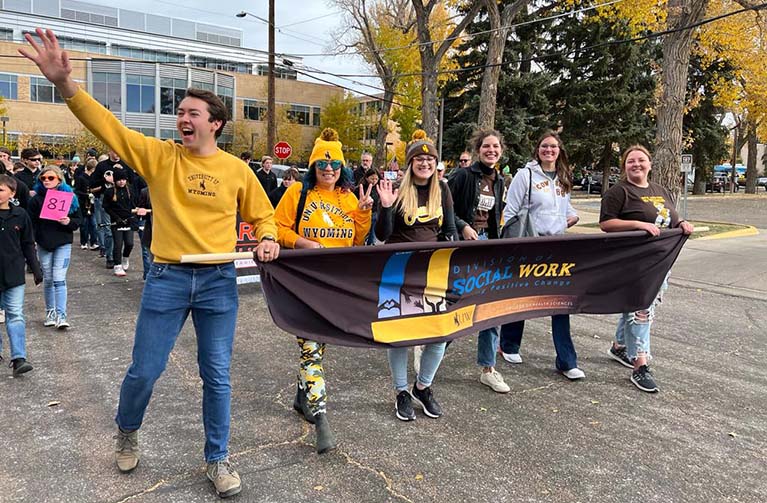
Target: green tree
<point x="601" y="95"/>
<point x="340" y="113"/>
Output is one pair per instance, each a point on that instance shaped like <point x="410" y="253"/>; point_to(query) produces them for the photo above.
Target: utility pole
<point x="271" y="132"/>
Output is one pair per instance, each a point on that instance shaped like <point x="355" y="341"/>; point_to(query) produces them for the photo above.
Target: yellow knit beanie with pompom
<point x="327" y="147"/>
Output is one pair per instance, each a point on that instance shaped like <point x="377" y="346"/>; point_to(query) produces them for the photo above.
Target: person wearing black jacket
<point x="17" y="246"/>
<point x="288" y="177"/>
<point x="100" y="185"/>
<point x="119" y="202"/>
<point x="32" y="160"/>
<point x="477" y="196"/>
<point x="265" y="176"/>
<point x="83" y="182"/>
<point x="6" y="168"/>
<point x="144" y="210"/>
<point x="54" y="238"/>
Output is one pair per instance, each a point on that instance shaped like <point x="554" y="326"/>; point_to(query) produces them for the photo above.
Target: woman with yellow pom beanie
<point x="321" y="212"/>
<point x="420" y="210"/>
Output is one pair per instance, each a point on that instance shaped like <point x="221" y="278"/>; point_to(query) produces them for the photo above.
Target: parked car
<point x="716" y="184"/>
<point x="594" y="183"/>
<point x="761" y="182"/>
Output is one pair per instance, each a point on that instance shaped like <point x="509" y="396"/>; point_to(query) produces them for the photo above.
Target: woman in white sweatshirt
<point x="551" y="214"/>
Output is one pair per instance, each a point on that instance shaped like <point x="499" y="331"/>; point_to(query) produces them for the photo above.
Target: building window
<point x="219" y="64"/>
<point x="227" y="96"/>
<point x="203" y="85"/>
<point x="254" y="110"/>
<point x="299" y="114"/>
<point x="316" y="112"/>
<point x="9" y="86"/>
<point x="41" y="90"/>
<point x="106" y="90"/>
<point x="170" y="134"/>
<point x="146" y="131"/>
<point x="279" y="72"/>
<point x="147" y="54"/>
<point x="140" y="93"/>
<point x="172" y="91"/>
<point x="6" y="34"/>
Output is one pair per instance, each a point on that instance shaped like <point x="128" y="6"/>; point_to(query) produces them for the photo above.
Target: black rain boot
<point x="301" y="405"/>
<point x="325" y="441"/>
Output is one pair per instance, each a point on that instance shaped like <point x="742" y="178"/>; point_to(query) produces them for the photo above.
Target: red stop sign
<point x="282" y="150"/>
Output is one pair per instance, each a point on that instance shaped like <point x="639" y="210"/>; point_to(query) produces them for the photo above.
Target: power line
<point x="472" y="35"/>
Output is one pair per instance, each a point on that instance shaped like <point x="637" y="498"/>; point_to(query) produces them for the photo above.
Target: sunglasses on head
<point x="48" y="178"/>
<point x="335" y="164"/>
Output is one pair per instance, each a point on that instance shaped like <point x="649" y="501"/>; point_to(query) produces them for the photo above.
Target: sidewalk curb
<point x="749" y="230"/>
<point x="728" y="290"/>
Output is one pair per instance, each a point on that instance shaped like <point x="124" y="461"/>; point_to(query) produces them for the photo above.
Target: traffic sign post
<point x="282" y="150"/>
<point x="686" y="170"/>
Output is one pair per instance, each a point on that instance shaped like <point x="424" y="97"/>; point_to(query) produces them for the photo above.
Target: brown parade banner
<point x="416" y="293"/>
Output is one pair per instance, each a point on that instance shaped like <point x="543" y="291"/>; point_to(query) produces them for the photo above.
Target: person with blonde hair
<point x="420" y="210"/>
<point x="54" y="241"/>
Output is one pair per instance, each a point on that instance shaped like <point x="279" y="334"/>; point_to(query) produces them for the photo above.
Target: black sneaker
<point x="110" y="264"/>
<point x="425" y="398"/>
<point x="642" y="379"/>
<point x="620" y="356"/>
<point x="20" y="366"/>
<point x="404" y="409"/>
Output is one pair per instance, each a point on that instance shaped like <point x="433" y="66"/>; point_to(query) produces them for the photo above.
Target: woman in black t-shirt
<point x="420" y="210"/>
<point x="636" y="203"/>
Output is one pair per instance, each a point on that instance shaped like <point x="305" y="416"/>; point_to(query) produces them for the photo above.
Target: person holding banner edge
<point x="54" y="244"/>
<point x="549" y="179"/>
<point x="420" y="210"/>
<point x="197" y="190"/>
<point x="477" y="197"/>
<point x="321" y="212"/>
<point x="636" y="203"/>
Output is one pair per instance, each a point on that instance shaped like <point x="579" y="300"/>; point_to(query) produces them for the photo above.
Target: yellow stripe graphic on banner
<point x="439" y="270"/>
<point x="423" y="327"/>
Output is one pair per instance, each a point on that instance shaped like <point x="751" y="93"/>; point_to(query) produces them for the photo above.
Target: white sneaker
<point x="2" y="316"/>
<point x="574" y="374"/>
<point x="417" y="352"/>
<point x="83" y="247"/>
<point x="125" y="263"/>
<point x="512" y="357"/>
<point x="495" y="381"/>
<point x="50" y="318"/>
<point x="119" y="271"/>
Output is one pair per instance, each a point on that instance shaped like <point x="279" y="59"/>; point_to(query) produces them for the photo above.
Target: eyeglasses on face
<point x="464" y="160"/>
<point x="48" y="178"/>
<point x="36" y="159"/>
<point x="552" y="146"/>
<point x="335" y="164"/>
<point x="424" y="158"/>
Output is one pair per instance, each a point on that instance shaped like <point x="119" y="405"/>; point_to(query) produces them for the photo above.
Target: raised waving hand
<point x="52" y="61"/>
<point x="387" y="194"/>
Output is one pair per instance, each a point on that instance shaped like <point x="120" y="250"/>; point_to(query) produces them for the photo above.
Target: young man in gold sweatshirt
<point x="197" y="190"/>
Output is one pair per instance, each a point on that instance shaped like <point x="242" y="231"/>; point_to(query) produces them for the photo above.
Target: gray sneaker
<point x="224" y="477"/>
<point x="126" y="451"/>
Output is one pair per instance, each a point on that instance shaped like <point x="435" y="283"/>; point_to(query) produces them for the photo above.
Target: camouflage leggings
<point x="311" y="376"/>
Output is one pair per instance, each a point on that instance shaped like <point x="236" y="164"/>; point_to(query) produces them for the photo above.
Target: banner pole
<point x="202" y="258"/>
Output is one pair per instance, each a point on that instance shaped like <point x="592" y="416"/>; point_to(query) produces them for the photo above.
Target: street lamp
<point x="4" y="119"/>
<point x="271" y="127"/>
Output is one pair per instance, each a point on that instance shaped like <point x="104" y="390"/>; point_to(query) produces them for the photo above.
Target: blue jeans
<point x="430" y="360"/>
<point x="371" y="239"/>
<point x="12" y="300"/>
<point x="146" y="255"/>
<point x="171" y="292"/>
<point x="487" y="346"/>
<point x="511" y="339"/>
<point x="88" y="230"/>
<point x="633" y="329"/>
<point x="55" y="265"/>
<point x="103" y="230"/>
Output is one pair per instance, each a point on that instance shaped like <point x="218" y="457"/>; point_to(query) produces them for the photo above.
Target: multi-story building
<point x="138" y="65"/>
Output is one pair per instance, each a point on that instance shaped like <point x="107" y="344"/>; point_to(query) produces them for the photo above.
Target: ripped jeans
<point x="633" y="330"/>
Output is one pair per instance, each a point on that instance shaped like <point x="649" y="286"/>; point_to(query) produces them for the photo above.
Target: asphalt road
<point x="702" y="438"/>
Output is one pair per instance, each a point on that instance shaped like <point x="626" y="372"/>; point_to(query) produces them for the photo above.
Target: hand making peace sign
<point x="387" y="193"/>
<point x="366" y="202"/>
